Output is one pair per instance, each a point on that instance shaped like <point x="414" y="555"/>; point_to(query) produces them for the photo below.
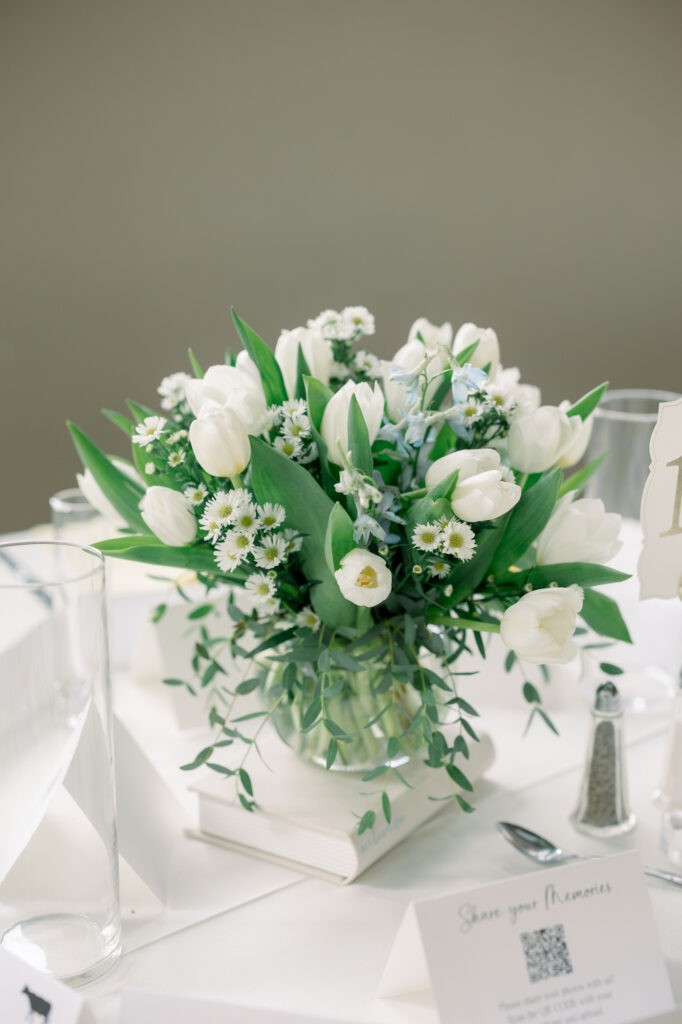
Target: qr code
<point x="546" y="952"/>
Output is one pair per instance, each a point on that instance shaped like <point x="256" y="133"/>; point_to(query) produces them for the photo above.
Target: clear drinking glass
<point x="59" y="894"/>
<point x="622" y="426"/>
<point x="71" y="511"/>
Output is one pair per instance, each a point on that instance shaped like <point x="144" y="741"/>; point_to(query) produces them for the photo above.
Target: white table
<point x="311" y="946"/>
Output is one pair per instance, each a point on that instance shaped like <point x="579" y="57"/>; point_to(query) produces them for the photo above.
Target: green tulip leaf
<point x="339" y="538"/>
<point x="589" y="402"/>
<point x="585" y="574"/>
<point x="263" y="357"/>
<point x="123" y="493"/>
<point x="527" y="520"/>
<point x="276" y="478"/>
<point x="602" y="614"/>
<point x="358" y="439"/>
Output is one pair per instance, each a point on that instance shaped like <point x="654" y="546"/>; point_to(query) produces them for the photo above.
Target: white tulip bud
<point x="575" y="451"/>
<point x="364" y="578"/>
<point x="93" y="493"/>
<point x="167" y="514"/>
<point x="334" y="426"/>
<point x="316" y="349"/>
<point x="237" y="386"/>
<point x="483" y="491"/>
<point x="579" y="531"/>
<point x="536" y="440"/>
<point x="539" y="627"/>
<point x="430" y="334"/>
<point x="220" y="441"/>
<point x="487" y="351"/>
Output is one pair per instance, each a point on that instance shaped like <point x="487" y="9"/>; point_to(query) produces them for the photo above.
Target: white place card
<point x="141" y="1006"/>
<point x="559" y="946"/>
<point x="660" y="562"/>
<point x="29" y="995"/>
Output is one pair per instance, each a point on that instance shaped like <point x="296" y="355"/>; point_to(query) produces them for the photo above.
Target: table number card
<point x="29" y="995"/>
<point x="660" y="563"/>
<point x="559" y="946"/>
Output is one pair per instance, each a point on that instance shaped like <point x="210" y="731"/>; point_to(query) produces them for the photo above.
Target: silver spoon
<point x="542" y="851"/>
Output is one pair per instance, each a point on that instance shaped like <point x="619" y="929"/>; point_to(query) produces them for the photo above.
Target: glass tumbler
<point x="71" y="513"/>
<point x="622" y="426"/>
<point x="59" y="892"/>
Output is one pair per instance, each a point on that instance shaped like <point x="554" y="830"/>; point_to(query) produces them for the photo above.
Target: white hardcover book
<point x="308" y="816"/>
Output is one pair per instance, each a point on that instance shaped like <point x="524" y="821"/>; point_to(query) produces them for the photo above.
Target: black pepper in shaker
<point x="603" y="802"/>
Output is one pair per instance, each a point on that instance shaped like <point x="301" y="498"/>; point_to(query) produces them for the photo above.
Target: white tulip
<point x="431" y="335"/>
<point x="487" y="351"/>
<point x="219" y="440"/>
<point x="236" y="386"/>
<point x="483" y="490"/>
<point x="167" y="514"/>
<point x="579" y="531"/>
<point x="575" y="451"/>
<point x="415" y="357"/>
<point x="334" y="426"/>
<point x="316" y="349"/>
<point x="539" y="627"/>
<point x="364" y="578"/>
<point x="536" y="440"/>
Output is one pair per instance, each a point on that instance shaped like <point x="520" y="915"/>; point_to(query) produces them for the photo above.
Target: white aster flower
<point x="270" y="419"/>
<point x="261" y="587"/>
<point x="368" y="363"/>
<point x="176" y="459"/>
<point x="150" y="429"/>
<point x="270" y="516"/>
<point x="223" y="506"/>
<point x="237" y="544"/>
<point x="245" y="517"/>
<point x="427" y="536"/>
<point x="149" y="468"/>
<point x="307" y="619"/>
<point x="212" y="527"/>
<point x="507" y="474"/>
<point x="179" y="435"/>
<point x="196" y="493"/>
<point x="339" y="370"/>
<point x="296" y="425"/>
<point x="458" y="540"/>
<point x="226" y="559"/>
<point x="289" y="446"/>
<point x="328" y="321"/>
<point x="172" y="389"/>
<point x="271" y="551"/>
<point x="357" y="320"/>
<point x="439" y="570"/>
<point x="295" y="407"/>
<point x="293" y="539"/>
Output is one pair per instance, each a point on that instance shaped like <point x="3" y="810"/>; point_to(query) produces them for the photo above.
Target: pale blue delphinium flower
<point x="464" y="379"/>
<point x="366" y="526"/>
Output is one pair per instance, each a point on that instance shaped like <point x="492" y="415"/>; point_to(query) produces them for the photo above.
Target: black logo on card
<point x="38" y="1006"/>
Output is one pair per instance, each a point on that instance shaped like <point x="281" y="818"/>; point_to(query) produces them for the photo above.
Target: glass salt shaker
<point x="668" y="796"/>
<point x="603" y="801"/>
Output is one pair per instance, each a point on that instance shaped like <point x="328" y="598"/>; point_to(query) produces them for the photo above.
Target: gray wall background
<point x="518" y="164"/>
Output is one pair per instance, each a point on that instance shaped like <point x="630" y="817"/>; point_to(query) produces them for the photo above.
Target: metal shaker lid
<point x="607" y="698"/>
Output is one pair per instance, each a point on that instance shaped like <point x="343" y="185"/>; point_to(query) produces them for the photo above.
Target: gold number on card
<point x="677" y="504"/>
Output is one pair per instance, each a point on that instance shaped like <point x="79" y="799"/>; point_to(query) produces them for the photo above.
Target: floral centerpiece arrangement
<point x="379" y="517"/>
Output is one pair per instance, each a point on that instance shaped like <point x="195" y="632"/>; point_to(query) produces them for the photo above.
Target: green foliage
<point x="263" y="357"/>
<point x="123" y="493"/>
<point x="526" y="521"/>
<point x="589" y="402"/>
<point x="602" y="614"/>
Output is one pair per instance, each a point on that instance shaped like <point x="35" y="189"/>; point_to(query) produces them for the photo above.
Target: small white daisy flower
<point x="222" y="507"/>
<point x="293" y="540"/>
<point x="507" y="474"/>
<point x="357" y="320"/>
<point x="289" y="446"/>
<point x="328" y="318"/>
<point x="458" y="540"/>
<point x="295" y="406"/>
<point x="439" y="569"/>
<point x="297" y="425"/>
<point x="179" y="435"/>
<point x="270" y="516"/>
<point x="339" y="370"/>
<point x="260" y="587"/>
<point x="427" y="536"/>
<point x="196" y="493"/>
<point x="226" y="558"/>
<point x="149" y="430"/>
<point x="271" y="551"/>
<point x="368" y="363"/>
<point x="172" y="389"/>
<point x="307" y="619"/>
<point x="149" y="468"/>
<point x="245" y="518"/>
<point x="176" y="459"/>
<point x="213" y="528"/>
<point x="237" y="543"/>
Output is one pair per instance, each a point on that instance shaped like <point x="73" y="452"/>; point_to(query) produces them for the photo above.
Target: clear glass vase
<point x="367" y="712"/>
